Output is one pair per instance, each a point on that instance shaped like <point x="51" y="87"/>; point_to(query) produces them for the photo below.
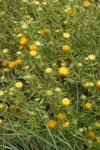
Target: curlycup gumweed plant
<point x="49" y="75"/>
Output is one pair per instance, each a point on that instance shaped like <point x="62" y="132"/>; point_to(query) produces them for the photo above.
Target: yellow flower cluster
<point x="88" y="105"/>
<point x="66" y="101"/>
<point x="66" y="48"/>
<point x="23" y="40"/>
<point x="91" y="134"/>
<point x="87" y="3"/>
<point x="64" y="71"/>
<point x="1" y="106"/>
<point x="61" y="116"/>
<point x="52" y="124"/>
<point x="19" y="85"/>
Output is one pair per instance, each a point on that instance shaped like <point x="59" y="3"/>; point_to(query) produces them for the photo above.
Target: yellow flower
<point x="12" y="65"/>
<point x="20" y="47"/>
<point x="91" y="57"/>
<point x="57" y="31"/>
<point x="49" y="92"/>
<point x="72" y="13"/>
<point x="16" y="30"/>
<point x="36" y="2"/>
<point x="18" y="62"/>
<point x="44" y="3"/>
<point x="37" y="43"/>
<point x="67" y="9"/>
<point x="12" y="107"/>
<point x="57" y="89"/>
<point x="1" y="93"/>
<point x="19" y="85"/>
<point x="5" y="51"/>
<point x="23" y="40"/>
<point x="83" y="97"/>
<point x="52" y="124"/>
<point x="66" y="35"/>
<point x="97" y="124"/>
<point x="88" y="105"/>
<point x="4" y="64"/>
<point x="61" y="116"/>
<point x="87" y="4"/>
<point x="66" y="48"/>
<point x="91" y="134"/>
<point x="1" y="121"/>
<point x="39" y="31"/>
<point x="65" y="124"/>
<point x="49" y="70"/>
<point x="1" y="106"/>
<point x="98" y="84"/>
<point x="33" y="47"/>
<point x="66" y="101"/>
<point x="28" y="21"/>
<point x="33" y="53"/>
<point x="87" y="84"/>
<point x="46" y="31"/>
<point x="64" y="71"/>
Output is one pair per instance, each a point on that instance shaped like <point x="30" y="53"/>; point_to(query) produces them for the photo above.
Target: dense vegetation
<point x="49" y="75"/>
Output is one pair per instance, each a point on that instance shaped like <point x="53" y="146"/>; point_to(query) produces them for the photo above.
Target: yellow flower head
<point x="87" y="4"/>
<point x="28" y="21"/>
<point x="12" y="107"/>
<point x="11" y="65"/>
<point x="46" y="31"/>
<point x="33" y="53"/>
<point x="64" y="71"/>
<point x="97" y="124"/>
<point x="66" y="101"/>
<point x="23" y="40"/>
<point x="19" y="85"/>
<point x="49" y="70"/>
<point x="72" y="13"/>
<point x="18" y="62"/>
<point x="37" y="43"/>
<point x="1" y="93"/>
<point x="98" y="84"/>
<point x="44" y="3"/>
<point x="57" y="31"/>
<point x="49" y="92"/>
<point x="91" y="134"/>
<point x="91" y="57"/>
<point x="16" y="29"/>
<point x="57" y="89"/>
<point x="33" y="47"/>
<point x="39" y="31"/>
<point x="4" y="64"/>
<point x="88" y="105"/>
<point x="5" y="51"/>
<point x="87" y="84"/>
<point x="1" y="121"/>
<point x="65" y="124"/>
<point x="52" y="124"/>
<point x="66" y="35"/>
<point x="61" y="116"/>
<point x="21" y="47"/>
<point x="66" y="48"/>
<point x="1" y="106"/>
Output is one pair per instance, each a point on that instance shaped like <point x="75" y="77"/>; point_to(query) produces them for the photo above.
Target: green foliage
<point x="49" y="75"/>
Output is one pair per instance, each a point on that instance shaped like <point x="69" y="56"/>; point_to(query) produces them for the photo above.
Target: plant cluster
<point x="49" y="75"/>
